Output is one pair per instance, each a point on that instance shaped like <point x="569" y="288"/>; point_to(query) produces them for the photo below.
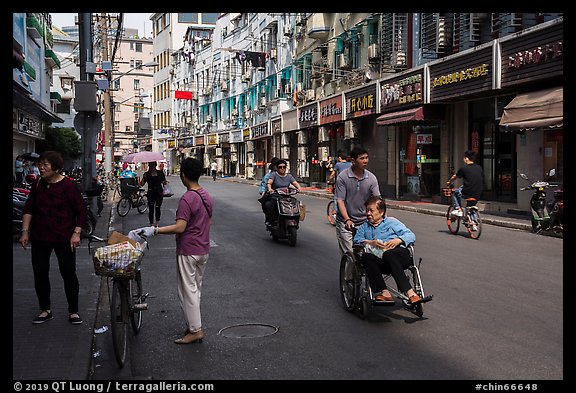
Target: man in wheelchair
<point x="386" y="241"/>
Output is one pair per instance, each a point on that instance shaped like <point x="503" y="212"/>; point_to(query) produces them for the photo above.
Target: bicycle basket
<point x="446" y="191"/>
<point x="118" y="260"/>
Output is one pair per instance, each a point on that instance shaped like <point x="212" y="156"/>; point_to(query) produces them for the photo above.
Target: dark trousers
<point x="154" y="206"/>
<point x="270" y="208"/>
<point x="213" y="174"/>
<point x="66" y="263"/>
<point x="393" y="262"/>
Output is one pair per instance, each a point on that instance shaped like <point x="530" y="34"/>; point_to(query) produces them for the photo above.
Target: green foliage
<point x="64" y="140"/>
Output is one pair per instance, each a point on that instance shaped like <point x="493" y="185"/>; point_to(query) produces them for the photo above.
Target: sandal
<point x="414" y="299"/>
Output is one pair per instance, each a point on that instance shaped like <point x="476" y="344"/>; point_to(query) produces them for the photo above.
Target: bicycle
<point x="136" y="199"/>
<point x="127" y="302"/>
<point x="470" y="215"/>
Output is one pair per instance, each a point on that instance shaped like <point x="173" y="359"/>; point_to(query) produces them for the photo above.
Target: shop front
<point x="331" y="131"/>
<point x="237" y="153"/>
<point x="224" y="152"/>
<point x="289" y="140"/>
<point x="276" y="128"/>
<point x="262" y="139"/>
<point x="467" y="84"/>
<point x="308" y="167"/>
<point x="210" y="152"/>
<point x="532" y="70"/>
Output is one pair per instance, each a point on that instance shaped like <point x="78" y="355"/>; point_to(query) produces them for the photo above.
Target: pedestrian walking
<point x="155" y="179"/>
<point x="192" y="229"/>
<point x="214" y="169"/>
<point x="54" y="216"/>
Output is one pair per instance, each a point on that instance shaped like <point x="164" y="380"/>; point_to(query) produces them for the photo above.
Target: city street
<point x="497" y="311"/>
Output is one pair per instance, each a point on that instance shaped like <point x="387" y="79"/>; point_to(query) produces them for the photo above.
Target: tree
<point x="64" y="140"/>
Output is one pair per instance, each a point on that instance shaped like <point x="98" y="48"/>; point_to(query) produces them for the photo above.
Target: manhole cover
<point x="248" y="330"/>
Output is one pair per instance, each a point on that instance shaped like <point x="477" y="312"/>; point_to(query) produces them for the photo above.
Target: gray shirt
<point x="354" y="192"/>
<point x="279" y="181"/>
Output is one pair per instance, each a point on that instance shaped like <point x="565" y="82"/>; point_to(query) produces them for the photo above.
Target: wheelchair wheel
<point x="365" y="307"/>
<point x="349" y="282"/>
<point x="452" y="221"/>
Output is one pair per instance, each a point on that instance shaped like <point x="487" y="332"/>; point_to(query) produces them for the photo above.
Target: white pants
<point x="190" y="272"/>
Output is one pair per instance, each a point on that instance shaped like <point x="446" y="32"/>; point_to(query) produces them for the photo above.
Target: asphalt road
<point x="273" y="312"/>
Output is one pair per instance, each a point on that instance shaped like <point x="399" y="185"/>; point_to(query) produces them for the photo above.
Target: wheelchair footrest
<point x="383" y="303"/>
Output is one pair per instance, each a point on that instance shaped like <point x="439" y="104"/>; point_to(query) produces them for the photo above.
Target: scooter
<point x="545" y="216"/>
<point x="288" y="222"/>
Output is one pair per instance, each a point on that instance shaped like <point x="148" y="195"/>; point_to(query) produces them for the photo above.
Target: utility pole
<point x="109" y="143"/>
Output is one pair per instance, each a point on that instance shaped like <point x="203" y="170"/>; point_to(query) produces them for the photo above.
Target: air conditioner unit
<point x="273" y="53"/>
<point x="246" y="108"/>
<point x="288" y="32"/>
<point x="262" y="102"/>
<point x="288" y="89"/>
<point x="373" y="51"/>
<point x="234" y="112"/>
<point x="248" y="114"/>
<point x="209" y="119"/>
<point x="224" y="86"/>
<point x="343" y="62"/>
<point x="310" y="95"/>
<point x="247" y="76"/>
<point x="208" y="91"/>
<point x="299" y="87"/>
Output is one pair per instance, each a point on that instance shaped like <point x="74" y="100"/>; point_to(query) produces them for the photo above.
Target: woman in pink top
<point x="192" y="229"/>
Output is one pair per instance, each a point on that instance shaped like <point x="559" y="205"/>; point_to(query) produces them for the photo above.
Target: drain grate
<point x="248" y="330"/>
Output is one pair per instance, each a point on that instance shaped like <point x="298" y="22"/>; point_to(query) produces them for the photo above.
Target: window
<point x="131" y="46"/>
<point x="136" y="84"/>
<point x="116" y="126"/>
<point x="138" y="46"/>
<point x="63" y="107"/>
<point x="138" y="63"/>
<point x="210" y="18"/>
<point x="187" y="17"/>
<point x="128" y="129"/>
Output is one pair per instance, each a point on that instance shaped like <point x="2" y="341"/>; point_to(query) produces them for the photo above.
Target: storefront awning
<point x="543" y="108"/>
<point x="401" y="116"/>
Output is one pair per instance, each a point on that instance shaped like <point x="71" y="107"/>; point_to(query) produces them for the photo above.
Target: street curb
<point x="392" y="205"/>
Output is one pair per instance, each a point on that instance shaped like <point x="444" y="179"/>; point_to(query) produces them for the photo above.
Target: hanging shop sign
<point x="236" y="136"/>
<point x="401" y="92"/>
<point x="465" y="75"/>
<point x="424" y="139"/>
<point x="290" y="120"/>
<point x="260" y="130"/>
<point x="199" y="140"/>
<point x="331" y="110"/>
<point x="308" y="115"/>
<point x="361" y="102"/>
<point x="246" y="134"/>
<point x="29" y="125"/>
<point x="276" y="126"/>
<point x="186" y="142"/>
<point x="534" y="56"/>
<point x="212" y="139"/>
<point x="171" y="144"/>
<point x="224" y="137"/>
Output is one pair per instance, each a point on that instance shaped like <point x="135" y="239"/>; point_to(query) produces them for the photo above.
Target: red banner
<point x="184" y="95"/>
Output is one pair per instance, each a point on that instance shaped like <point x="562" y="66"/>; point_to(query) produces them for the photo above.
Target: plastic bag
<point x="167" y="190"/>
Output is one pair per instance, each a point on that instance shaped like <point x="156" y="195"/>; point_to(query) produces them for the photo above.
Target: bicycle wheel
<point x="142" y="204"/>
<point x="349" y="282"/>
<point x="475" y="229"/>
<point x="331" y="212"/>
<point x="124" y="206"/>
<point x="137" y="298"/>
<point x="119" y="320"/>
<point x="452" y="221"/>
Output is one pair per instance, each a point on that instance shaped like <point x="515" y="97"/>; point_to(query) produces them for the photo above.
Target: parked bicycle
<point x="120" y="264"/>
<point x="331" y="209"/>
<point x="470" y="215"/>
<point x="136" y="198"/>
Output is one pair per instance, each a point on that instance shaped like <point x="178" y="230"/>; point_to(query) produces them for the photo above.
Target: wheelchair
<point x="356" y="294"/>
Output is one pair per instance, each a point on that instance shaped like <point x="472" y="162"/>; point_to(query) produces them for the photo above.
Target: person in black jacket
<point x="155" y="179"/>
<point x="472" y="176"/>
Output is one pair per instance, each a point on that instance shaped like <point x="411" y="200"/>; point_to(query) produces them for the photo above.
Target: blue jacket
<point x="264" y="182"/>
<point x="388" y="229"/>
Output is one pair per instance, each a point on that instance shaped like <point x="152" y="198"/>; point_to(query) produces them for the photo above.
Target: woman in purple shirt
<point x="54" y="215"/>
<point x="192" y="229"/>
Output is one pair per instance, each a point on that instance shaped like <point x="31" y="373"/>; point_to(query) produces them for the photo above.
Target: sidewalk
<point x="491" y="217"/>
<point x="56" y="349"/>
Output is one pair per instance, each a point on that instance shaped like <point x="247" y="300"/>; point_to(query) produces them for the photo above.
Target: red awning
<point x="401" y="116"/>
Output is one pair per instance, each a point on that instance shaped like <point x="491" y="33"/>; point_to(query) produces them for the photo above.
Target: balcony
<point x="51" y="58"/>
<point x="34" y="27"/>
<point x="55" y="96"/>
<point x="29" y="70"/>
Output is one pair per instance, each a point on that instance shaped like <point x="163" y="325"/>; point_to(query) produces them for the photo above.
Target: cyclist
<point x="386" y="240"/>
<point x="472" y="176"/>
<point x="353" y="187"/>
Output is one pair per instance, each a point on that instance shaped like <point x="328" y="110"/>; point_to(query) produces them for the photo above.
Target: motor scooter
<point x="545" y="216"/>
<point x="288" y="215"/>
